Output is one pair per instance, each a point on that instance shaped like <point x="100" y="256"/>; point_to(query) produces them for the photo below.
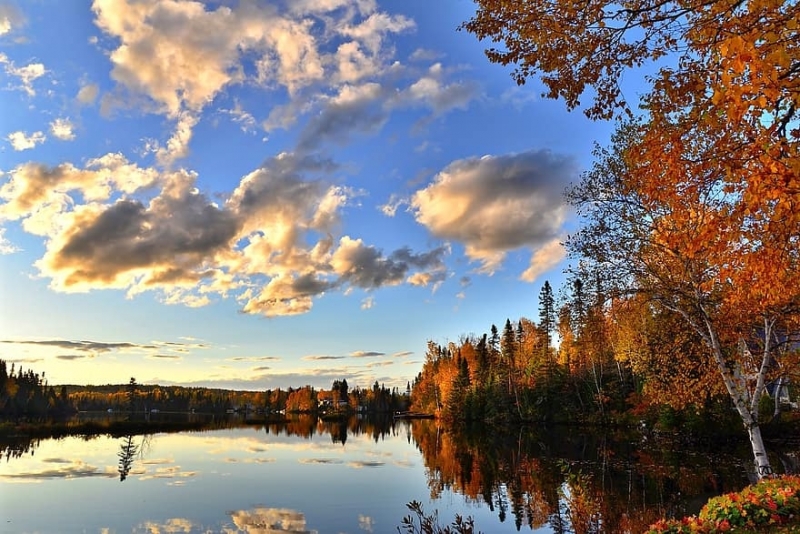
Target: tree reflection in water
<point x="13" y="447"/>
<point x="127" y="452"/>
<point x="571" y="481"/>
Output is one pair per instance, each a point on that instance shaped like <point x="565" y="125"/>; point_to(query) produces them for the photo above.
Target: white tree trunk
<point x="746" y="405"/>
<point x="763" y="468"/>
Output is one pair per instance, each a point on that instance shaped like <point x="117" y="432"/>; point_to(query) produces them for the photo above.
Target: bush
<point x="774" y="501"/>
<point x="429" y="524"/>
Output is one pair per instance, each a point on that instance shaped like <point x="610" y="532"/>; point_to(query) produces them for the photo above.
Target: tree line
<point x="616" y="361"/>
<point x="28" y="394"/>
<point x="25" y="394"/>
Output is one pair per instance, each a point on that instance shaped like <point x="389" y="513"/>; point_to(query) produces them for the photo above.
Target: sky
<point x="259" y="194"/>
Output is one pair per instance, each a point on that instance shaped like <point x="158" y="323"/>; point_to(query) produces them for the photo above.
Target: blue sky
<point x="265" y="194"/>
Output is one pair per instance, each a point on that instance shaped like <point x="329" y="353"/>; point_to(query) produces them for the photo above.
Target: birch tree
<point x="684" y="258"/>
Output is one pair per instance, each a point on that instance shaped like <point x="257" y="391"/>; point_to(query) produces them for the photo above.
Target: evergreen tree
<point x="547" y="316"/>
<point x="131" y="395"/>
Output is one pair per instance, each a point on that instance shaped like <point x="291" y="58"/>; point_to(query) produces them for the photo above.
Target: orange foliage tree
<point x="653" y="249"/>
<point x="712" y="170"/>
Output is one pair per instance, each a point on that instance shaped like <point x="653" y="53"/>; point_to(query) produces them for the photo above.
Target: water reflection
<point x="127" y="452"/>
<point x="558" y="479"/>
<point x="574" y="482"/>
<point x="14" y="447"/>
<point x="270" y="520"/>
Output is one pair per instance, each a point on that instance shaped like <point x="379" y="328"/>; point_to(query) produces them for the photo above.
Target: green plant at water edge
<point x="419" y="523"/>
<point x="773" y="501"/>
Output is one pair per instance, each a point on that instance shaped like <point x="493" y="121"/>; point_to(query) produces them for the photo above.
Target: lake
<point x="356" y="476"/>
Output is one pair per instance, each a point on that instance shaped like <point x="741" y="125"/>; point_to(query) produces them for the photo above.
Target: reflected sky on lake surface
<point x="308" y="477"/>
<point x="232" y="480"/>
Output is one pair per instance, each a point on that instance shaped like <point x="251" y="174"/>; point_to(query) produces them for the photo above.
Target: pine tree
<point x="547" y="317"/>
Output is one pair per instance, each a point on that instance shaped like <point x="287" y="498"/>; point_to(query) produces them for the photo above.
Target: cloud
<point x="262" y="368"/>
<point x="383" y="363"/>
<point x="62" y="129"/>
<point x="21" y="141"/>
<point x="172" y="471"/>
<point x="26" y="74"/>
<point x="368" y="303"/>
<point x="423" y="54"/>
<point x="244" y="119"/>
<point x="255" y="359"/>
<point x="87" y="94"/>
<point x="390" y="208"/>
<point x="177" y="146"/>
<point x="544" y="259"/>
<point x="358" y="464"/>
<point x="10" y="18"/>
<point x="6" y="247"/>
<point x="365" y="107"/>
<point x="34" y="189"/>
<point x="89" y="349"/>
<point x="355" y="108"/>
<point x="175" y="524"/>
<point x="181" y="56"/>
<point x="496" y="204"/>
<point x="72" y="356"/>
<point x="270" y="520"/>
<point x="319" y="461"/>
<point x="65" y="469"/>
<point x="366" y="354"/>
<point x="83" y="346"/>
<point x="165" y="356"/>
<point x="433" y="90"/>
<point x="271" y="244"/>
<point x="365" y="266"/>
<point x="402" y="354"/>
<point x="322" y="358"/>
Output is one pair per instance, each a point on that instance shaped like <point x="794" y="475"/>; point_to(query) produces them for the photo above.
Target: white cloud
<point x="26" y="74"/>
<point x="181" y="56"/>
<point x="6" y="247"/>
<point x="544" y="259"/>
<point x="87" y="94"/>
<point x="270" y="245"/>
<point x="21" y="141"/>
<point x="441" y="96"/>
<point x="395" y="201"/>
<point x="177" y="146"/>
<point x="62" y="129"/>
<point x="496" y="204"/>
<point x="10" y="18"/>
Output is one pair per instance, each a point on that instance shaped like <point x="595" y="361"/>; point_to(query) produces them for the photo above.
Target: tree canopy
<point x="697" y="203"/>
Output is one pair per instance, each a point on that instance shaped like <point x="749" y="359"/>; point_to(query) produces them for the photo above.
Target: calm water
<point x="357" y="477"/>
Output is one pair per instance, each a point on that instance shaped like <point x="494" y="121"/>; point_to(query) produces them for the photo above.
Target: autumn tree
<point x="712" y="168"/>
<point x="652" y="248"/>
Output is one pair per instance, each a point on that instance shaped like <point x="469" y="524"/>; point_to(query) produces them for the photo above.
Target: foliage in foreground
<point x="429" y="524"/>
<point x="771" y="502"/>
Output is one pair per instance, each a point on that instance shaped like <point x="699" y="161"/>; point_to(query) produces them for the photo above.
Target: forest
<point x="26" y="395"/>
<point x="586" y="360"/>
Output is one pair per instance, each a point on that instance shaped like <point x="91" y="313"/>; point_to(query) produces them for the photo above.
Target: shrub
<point x="774" y="501"/>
